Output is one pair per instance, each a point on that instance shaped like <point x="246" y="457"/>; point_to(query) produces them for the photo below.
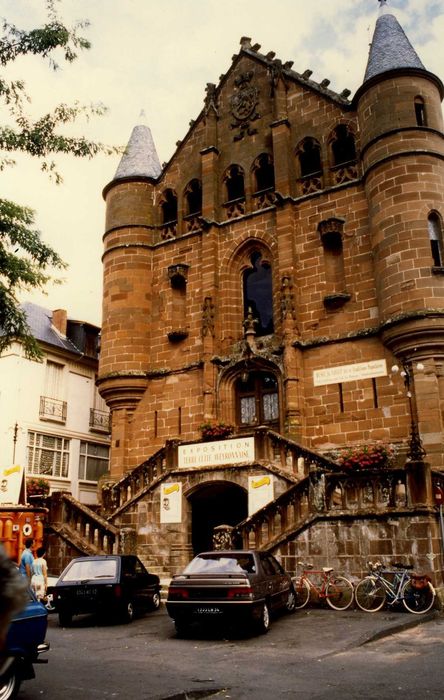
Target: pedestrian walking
<point x="39" y="574"/>
<point x="26" y="559"/>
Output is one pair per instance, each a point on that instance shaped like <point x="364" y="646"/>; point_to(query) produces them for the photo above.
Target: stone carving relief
<point x="243" y="105"/>
<point x="208" y="314"/>
<point x="287" y="299"/>
<point x="210" y="99"/>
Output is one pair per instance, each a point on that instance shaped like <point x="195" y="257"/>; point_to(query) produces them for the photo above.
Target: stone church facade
<point x="283" y="272"/>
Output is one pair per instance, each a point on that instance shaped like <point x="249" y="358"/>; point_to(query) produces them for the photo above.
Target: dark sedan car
<point x="240" y="586"/>
<point x="114" y="585"/>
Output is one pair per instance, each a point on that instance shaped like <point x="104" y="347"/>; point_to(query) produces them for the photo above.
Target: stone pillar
<point x="419" y="484"/>
<point x="210" y="186"/>
<point x="127" y="541"/>
<point x="316" y="490"/>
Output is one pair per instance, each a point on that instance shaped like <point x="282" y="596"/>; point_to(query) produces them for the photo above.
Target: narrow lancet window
<point x="436" y="239"/>
<point x="420" y="112"/>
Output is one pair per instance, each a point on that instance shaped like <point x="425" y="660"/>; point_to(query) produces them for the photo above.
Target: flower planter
<point x="374" y="457"/>
<point x="216" y="431"/>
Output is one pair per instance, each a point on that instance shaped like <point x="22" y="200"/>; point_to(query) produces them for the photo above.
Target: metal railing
<point x="99" y="420"/>
<point x="53" y="409"/>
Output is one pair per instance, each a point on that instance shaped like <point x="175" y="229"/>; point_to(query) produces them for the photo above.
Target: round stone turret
<point x="402" y="150"/>
<point x="127" y="271"/>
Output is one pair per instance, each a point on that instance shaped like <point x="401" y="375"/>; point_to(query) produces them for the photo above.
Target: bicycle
<point x="336" y="590"/>
<point x="396" y="585"/>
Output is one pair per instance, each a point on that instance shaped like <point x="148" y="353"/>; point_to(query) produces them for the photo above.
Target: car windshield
<point x="86" y="570"/>
<point x="222" y="563"/>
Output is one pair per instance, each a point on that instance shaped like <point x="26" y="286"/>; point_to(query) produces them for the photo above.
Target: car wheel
<point x="65" y="618"/>
<point x="49" y="605"/>
<point x="10" y="683"/>
<point x="263" y="624"/>
<point x="128" y="613"/>
<point x="155" y="603"/>
<point x="290" y="605"/>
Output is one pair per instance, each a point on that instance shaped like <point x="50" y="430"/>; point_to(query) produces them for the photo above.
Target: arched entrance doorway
<point x="215" y="503"/>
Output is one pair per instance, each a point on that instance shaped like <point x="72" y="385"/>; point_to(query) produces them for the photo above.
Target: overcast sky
<point x="158" y="57"/>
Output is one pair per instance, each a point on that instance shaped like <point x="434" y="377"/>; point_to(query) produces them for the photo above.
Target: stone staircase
<point x="318" y="491"/>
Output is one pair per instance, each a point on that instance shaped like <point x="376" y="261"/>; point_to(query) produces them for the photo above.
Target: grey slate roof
<point x="140" y="158"/>
<point x="40" y="322"/>
<point x="390" y="48"/>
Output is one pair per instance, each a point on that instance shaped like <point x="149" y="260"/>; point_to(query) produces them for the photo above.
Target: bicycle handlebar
<point x="379" y="566"/>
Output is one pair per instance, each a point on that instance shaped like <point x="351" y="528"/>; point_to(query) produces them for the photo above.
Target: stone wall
<point x="347" y="545"/>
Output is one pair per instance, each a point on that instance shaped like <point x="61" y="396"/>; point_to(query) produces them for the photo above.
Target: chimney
<point x="59" y="321"/>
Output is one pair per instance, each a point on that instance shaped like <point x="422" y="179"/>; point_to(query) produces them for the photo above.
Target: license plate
<point x="82" y="593"/>
<point x="209" y="610"/>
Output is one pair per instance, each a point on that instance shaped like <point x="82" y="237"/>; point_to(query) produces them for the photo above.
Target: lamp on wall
<point x="416" y="451"/>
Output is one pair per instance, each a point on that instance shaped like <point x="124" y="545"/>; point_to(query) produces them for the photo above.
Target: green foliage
<point x="25" y="261"/>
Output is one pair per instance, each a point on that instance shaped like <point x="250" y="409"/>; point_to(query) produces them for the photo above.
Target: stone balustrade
<point x="84" y="528"/>
<point x="270" y="448"/>
<point x="116" y="495"/>
<point x="323" y="494"/>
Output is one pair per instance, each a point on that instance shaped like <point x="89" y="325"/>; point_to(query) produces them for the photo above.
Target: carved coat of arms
<point x="243" y="105"/>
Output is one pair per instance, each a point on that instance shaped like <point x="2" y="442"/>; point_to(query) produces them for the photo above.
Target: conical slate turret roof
<point x="140" y="158"/>
<point x="390" y="48"/>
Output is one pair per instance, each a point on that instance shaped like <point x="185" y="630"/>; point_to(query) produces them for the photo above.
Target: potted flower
<point x="37" y="487"/>
<point x="374" y="456"/>
<point x="215" y="430"/>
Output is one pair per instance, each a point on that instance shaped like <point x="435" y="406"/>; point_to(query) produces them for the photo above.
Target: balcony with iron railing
<point x="99" y="421"/>
<point x="52" y="409"/>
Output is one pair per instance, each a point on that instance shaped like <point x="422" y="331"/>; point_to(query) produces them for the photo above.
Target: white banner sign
<point x="260" y="492"/>
<point x="171" y="502"/>
<point x="350" y="373"/>
<point x="204" y="454"/>
<point x="10" y="484"/>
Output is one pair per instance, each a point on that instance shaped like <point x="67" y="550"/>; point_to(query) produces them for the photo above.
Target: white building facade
<point x="52" y="419"/>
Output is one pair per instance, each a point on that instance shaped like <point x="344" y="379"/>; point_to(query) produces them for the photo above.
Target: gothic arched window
<point x="169" y="206"/>
<point x="193" y="197"/>
<point x="309" y="154"/>
<point x="258" y="294"/>
<point x="436" y="239"/>
<point x="343" y="145"/>
<point x="263" y="172"/>
<point x="234" y="183"/>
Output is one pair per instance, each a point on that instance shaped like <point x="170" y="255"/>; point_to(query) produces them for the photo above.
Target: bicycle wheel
<point x="370" y="594"/>
<point x="418" y="600"/>
<point x="339" y="593"/>
<point x="302" y="590"/>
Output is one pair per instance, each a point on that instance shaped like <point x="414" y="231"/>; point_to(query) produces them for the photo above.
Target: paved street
<point x="315" y="653"/>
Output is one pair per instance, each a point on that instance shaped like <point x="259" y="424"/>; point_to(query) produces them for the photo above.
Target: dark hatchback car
<point x="243" y="587"/>
<point x="109" y="586"/>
